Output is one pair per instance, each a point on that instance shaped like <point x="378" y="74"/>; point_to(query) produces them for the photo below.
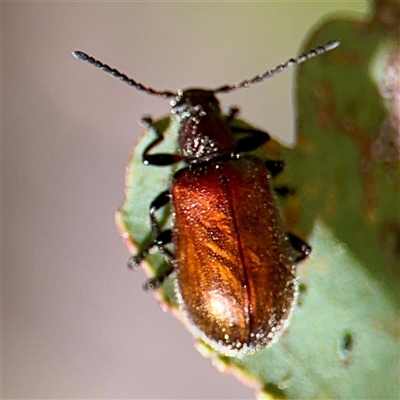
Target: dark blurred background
<point x="76" y="323"/>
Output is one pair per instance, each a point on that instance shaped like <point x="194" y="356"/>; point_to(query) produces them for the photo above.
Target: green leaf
<point x="343" y="339"/>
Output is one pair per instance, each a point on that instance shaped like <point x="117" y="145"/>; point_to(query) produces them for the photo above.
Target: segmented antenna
<point x="279" y="68"/>
<point x="166" y="94"/>
<point x="80" y="55"/>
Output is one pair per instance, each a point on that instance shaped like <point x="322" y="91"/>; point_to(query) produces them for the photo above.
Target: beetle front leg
<point x="253" y="141"/>
<point x="232" y="114"/>
<point x="255" y="137"/>
<point x="160" y="159"/>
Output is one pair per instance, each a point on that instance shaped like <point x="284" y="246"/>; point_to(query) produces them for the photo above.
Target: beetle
<point x="235" y="265"/>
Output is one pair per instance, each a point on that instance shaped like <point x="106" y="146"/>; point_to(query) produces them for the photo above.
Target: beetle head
<point x="195" y="104"/>
<point x="203" y="132"/>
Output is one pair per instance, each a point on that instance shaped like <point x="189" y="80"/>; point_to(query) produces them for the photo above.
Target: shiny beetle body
<point x="233" y="260"/>
<point x="236" y="279"/>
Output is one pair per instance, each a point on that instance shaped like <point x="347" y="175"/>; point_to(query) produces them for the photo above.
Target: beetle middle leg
<point x="161" y="239"/>
<point x="300" y="246"/>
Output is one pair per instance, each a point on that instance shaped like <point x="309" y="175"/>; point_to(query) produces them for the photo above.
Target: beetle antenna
<point x="281" y="67"/>
<point x="80" y="55"/>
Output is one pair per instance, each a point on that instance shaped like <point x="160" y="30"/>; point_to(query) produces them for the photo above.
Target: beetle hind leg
<point x="300" y="246"/>
<point x="155" y="283"/>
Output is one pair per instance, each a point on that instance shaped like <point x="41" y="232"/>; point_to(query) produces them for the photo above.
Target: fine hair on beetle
<point x="233" y="260"/>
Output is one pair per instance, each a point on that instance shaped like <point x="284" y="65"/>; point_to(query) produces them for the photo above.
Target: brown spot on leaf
<point x="293" y="211"/>
<point x="302" y="293"/>
<point x="387" y="15"/>
<point x="349" y="125"/>
<point x="394" y="329"/>
<point x="349" y="59"/>
<point x="331" y="201"/>
<point x="328" y="116"/>
<point x="306" y="144"/>
<point x="325" y="107"/>
<point x="345" y="348"/>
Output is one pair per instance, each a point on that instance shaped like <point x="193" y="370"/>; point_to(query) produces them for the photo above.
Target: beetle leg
<point x="160" y="201"/>
<point x="253" y="141"/>
<point x="233" y="112"/>
<point x="160" y="159"/>
<point x="275" y="166"/>
<point x="155" y="283"/>
<point x="283" y="191"/>
<point x="162" y="238"/>
<point x="300" y="245"/>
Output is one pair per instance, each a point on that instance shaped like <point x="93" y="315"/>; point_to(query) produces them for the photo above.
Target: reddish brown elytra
<point x="234" y="262"/>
